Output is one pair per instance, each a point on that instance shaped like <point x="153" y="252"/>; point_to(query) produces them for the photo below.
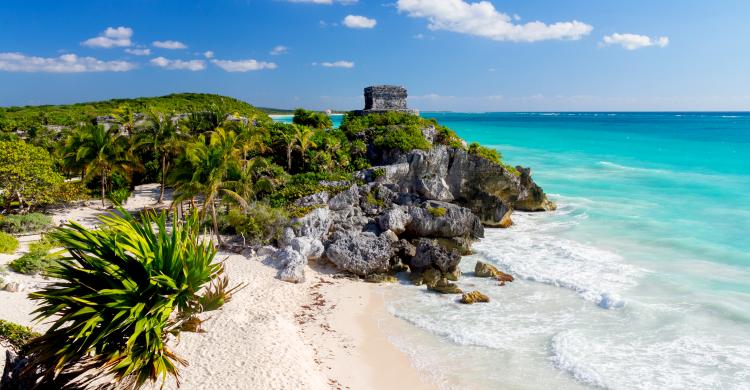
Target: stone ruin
<point x="385" y="98"/>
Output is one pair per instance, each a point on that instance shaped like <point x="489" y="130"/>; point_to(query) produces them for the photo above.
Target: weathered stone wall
<point x="385" y="97"/>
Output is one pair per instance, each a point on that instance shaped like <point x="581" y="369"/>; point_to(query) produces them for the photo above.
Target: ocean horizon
<point x="640" y="279"/>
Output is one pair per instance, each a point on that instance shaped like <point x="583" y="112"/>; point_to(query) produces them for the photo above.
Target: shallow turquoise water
<point x="641" y="278"/>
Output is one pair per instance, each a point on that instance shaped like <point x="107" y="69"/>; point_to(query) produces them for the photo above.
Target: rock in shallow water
<point x="443" y="286"/>
<point x="483" y="270"/>
<point x="474" y="297"/>
<point x="429" y="253"/>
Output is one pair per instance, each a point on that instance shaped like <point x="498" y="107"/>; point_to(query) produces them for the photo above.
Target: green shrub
<point x="27" y="175"/>
<point x="38" y="259"/>
<point x="304" y="184"/>
<point x="25" y="223"/>
<point x="118" y="196"/>
<point x="510" y="169"/>
<point x="316" y="120"/>
<point x="485" y="152"/>
<point x="120" y="291"/>
<point x="437" y="212"/>
<point x="301" y="211"/>
<point x="72" y="191"/>
<point x="448" y="137"/>
<point x="16" y="335"/>
<point x="373" y="201"/>
<point x="260" y="224"/>
<point x="404" y="138"/>
<point x="8" y="243"/>
<point x="378" y="172"/>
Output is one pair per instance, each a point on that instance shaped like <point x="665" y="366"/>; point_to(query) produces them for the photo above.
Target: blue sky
<point x="461" y="55"/>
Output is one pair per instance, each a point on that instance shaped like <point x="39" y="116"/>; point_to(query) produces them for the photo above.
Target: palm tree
<point x="304" y="141"/>
<point x="166" y="141"/>
<point x="206" y="170"/>
<point x="100" y="153"/>
<point x="290" y="141"/>
<point x="253" y="139"/>
<point x="126" y="118"/>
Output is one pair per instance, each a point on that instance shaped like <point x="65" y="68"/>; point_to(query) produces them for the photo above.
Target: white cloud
<point x="111" y="37"/>
<point x="169" y="45"/>
<point x="208" y="54"/>
<point x="66" y="63"/>
<point x="483" y="20"/>
<point x="279" y="50"/>
<point x="336" y="64"/>
<point x="357" y="21"/>
<point x="634" y="41"/>
<point x="243" y="65"/>
<point x="166" y="63"/>
<point x="138" y="52"/>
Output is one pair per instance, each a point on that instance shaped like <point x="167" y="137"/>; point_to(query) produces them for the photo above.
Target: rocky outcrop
<point x="442" y="219"/>
<point x="361" y="253"/>
<point x="430" y="253"/>
<point x="314" y="225"/>
<point x="454" y="175"/>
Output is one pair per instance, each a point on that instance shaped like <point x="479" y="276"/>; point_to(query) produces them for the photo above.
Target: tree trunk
<point x="104" y="183"/>
<point x="163" y="177"/>
<point x="216" y="224"/>
<point x="289" y="159"/>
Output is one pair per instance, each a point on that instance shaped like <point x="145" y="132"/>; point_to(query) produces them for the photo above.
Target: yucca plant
<point x="122" y="289"/>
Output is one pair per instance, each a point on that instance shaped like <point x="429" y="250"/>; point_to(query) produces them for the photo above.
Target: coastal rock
<point x="441" y="219"/>
<point x="284" y="256"/>
<point x="443" y="286"/>
<point x="405" y="250"/>
<point x="345" y="199"/>
<point x="348" y="219"/>
<point x="429" y="252"/>
<point x="474" y="297"/>
<point x="12" y="287"/>
<point x="361" y="253"/>
<point x="484" y="270"/>
<point x="317" y="199"/>
<point x="395" y="219"/>
<point x="286" y="237"/>
<point x="505" y="221"/>
<point x="449" y="174"/>
<point x="294" y="271"/>
<point x="267" y="250"/>
<point x="314" y="225"/>
<point x="430" y="276"/>
<point x="310" y="248"/>
<point x="381" y="278"/>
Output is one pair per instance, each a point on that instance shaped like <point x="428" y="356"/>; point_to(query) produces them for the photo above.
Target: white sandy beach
<point x="325" y="333"/>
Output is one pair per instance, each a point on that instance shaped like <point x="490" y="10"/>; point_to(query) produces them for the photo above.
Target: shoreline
<point x="324" y="333"/>
<point x="360" y="354"/>
<point x="272" y="334"/>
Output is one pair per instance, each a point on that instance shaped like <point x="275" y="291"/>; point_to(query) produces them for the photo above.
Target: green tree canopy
<point x="316" y="120"/>
<point x="27" y="175"/>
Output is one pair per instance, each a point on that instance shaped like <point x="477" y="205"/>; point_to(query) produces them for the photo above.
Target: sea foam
<point x="531" y="253"/>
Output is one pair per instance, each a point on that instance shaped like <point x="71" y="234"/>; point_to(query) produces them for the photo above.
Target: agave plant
<point x="122" y="289"/>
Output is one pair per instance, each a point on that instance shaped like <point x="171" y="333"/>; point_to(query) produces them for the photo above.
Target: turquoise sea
<point x="640" y="279"/>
